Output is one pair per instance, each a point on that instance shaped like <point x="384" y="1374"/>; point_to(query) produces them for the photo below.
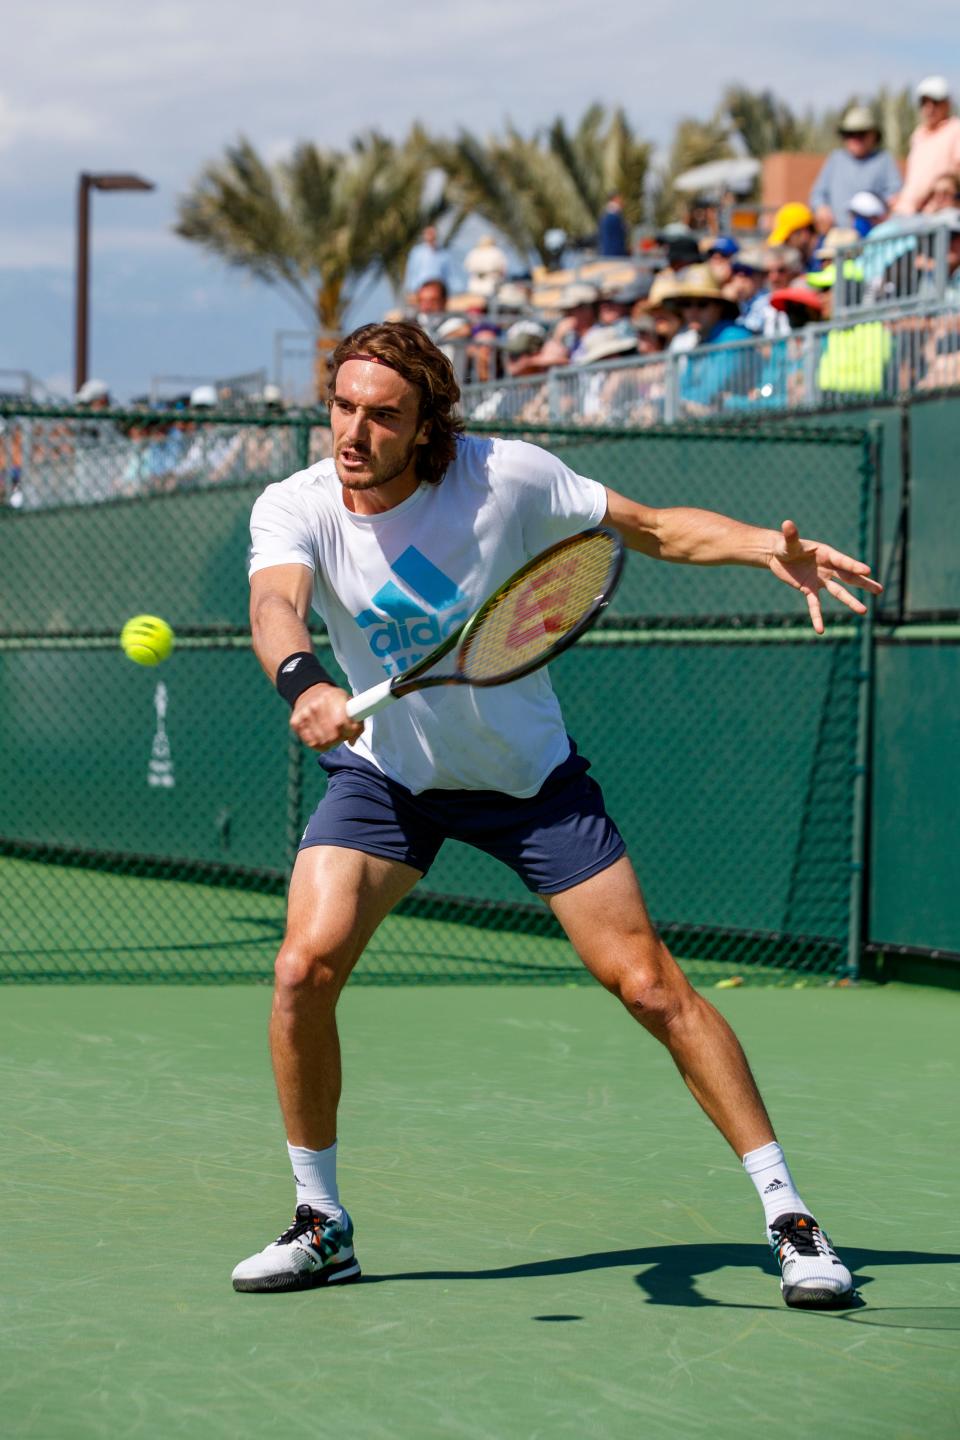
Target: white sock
<point x="770" y="1173"/>
<point x="315" y="1175"/>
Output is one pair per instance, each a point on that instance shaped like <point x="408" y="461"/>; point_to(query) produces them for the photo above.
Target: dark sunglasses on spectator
<point x="696" y="304"/>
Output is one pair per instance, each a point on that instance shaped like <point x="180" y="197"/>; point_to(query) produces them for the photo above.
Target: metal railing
<point x="864" y="356"/>
<point x="901" y="263"/>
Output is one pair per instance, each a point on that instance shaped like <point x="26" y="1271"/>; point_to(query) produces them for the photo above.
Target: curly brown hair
<point x="406" y="348"/>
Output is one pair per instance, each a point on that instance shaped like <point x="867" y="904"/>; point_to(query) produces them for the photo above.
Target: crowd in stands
<point x="695" y="296"/>
<point x="99" y="454"/>
<point x="687" y="325"/>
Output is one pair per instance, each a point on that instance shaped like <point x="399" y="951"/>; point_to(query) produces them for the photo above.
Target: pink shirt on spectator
<point x="932" y="153"/>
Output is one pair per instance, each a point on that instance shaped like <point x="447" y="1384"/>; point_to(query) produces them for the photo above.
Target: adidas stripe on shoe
<point x="314" y="1251"/>
<point x="811" y="1271"/>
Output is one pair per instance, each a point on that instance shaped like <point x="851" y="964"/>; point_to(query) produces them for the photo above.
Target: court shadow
<point x="669" y="1273"/>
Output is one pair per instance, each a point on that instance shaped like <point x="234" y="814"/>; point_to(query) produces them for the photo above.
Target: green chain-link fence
<point x="148" y="818"/>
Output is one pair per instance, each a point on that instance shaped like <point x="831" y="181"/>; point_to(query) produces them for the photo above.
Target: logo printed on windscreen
<point x="411" y="617"/>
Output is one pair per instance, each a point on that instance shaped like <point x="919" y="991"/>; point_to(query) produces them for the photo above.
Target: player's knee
<point x="652" y="988"/>
<point x="302" y="969"/>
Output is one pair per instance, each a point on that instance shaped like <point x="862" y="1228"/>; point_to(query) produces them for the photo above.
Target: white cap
<point x="92" y="390"/>
<point x="867" y="204"/>
<point x="578" y="292"/>
<point x="203" y="395"/>
<point x="934" y="87"/>
<point x="272" y="395"/>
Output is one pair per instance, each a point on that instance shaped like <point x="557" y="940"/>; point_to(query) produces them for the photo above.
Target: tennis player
<point x="394" y="541"/>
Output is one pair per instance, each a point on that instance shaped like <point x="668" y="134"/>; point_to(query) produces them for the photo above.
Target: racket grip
<point x="368" y="702"/>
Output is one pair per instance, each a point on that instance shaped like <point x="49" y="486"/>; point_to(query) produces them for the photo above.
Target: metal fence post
<point x="302" y="433"/>
<point x="868" y="532"/>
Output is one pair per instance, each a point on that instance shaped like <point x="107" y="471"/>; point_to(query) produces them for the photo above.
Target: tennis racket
<point x="539" y="612"/>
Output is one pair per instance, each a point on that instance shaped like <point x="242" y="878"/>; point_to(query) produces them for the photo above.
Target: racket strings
<point x="537" y="611"/>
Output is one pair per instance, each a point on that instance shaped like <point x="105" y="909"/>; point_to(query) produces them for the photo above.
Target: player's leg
<point x="338" y="897"/>
<point x="607" y="922"/>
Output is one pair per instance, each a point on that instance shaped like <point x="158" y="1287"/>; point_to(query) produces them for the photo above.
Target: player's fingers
<point x="816" y="614"/>
<point x="855" y="577"/>
<point x="790" y="532"/>
<point x="844" y="596"/>
<point x="838" y="561"/>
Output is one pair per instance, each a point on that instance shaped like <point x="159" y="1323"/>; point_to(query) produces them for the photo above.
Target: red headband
<point x="375" y="359"/>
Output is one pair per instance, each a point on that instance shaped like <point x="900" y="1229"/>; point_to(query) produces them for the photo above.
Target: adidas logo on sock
<point x="775" y="1185"/>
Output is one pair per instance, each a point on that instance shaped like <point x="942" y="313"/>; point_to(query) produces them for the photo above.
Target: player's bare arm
<point x="686" y="536"/>
<point x="279" y="606"/>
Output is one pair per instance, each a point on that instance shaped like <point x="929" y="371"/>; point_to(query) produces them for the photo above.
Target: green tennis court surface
<point x="555" y="1243"/>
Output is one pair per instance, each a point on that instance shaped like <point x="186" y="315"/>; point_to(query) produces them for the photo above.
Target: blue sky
<point x="119" y="85"/>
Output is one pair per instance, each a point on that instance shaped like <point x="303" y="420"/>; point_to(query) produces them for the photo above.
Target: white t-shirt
<point x="391" y="586"/>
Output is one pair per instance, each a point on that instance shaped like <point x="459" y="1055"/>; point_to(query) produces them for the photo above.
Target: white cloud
<point x="54" y="122"/>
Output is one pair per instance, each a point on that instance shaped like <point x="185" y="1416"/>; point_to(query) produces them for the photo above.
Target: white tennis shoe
<point x="811" y="1271"/>
<point x="315" y="1250"/>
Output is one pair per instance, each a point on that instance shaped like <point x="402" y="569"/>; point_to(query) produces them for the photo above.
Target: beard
<point x="382" y="474"/>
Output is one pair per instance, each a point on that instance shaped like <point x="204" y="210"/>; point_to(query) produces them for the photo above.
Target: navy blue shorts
<point x="553" y="839"/>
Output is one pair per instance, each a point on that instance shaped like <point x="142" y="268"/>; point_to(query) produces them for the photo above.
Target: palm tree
<point x="762" y="121"/>
<point x="317" y="224"/>
<point x="554" y="179"/>
<point x="695" y="142"/>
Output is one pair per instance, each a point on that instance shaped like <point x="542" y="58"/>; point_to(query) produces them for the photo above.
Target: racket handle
<point x="368" y="702"/>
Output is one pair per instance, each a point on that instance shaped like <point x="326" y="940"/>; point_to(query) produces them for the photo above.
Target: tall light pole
<point x="86" y="184"/>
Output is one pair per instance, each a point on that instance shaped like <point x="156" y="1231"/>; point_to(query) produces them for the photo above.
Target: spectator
<point x="486" y="267"/>
<point x="607" y="395"/>
<point x="431" y="299"/>
<point x="859" y="164"/>
<point x="865" y="211"/>
<point x="426" y="261"/>
<point x="450" y="333"/>
<point x="522" y="345"/>
<point x="941" y="356"/>
<point x="682" y="250"/>
<point x="711" y="317"/>
<point x="618" y="302"/>
<point x="100" y="449"/>
<point x="649" y="339"/>
<point x="666" y="321"/>
<point x="784" y="264"/>
<point x="607" y="342"/>
<point x="934" y="145"/>
<point x="579" y="304"/>
<point x="749" y="285"/>
<point x="271" y="398"/>
<point x="612" y="238"/>
<point x="801" y="303"/>
<point x="212" y="452"/>
<point x="720" y="253"/>
<point x="782" y="380"/>
<point x="94" y="394"/>
<point x="156" y="448"/>
<point x="521" y="359"/>
<point x="483" y="353"/>
<point x="944" y="194"/>
<point x="794" y="225"/>
<point x="513" y="297"/>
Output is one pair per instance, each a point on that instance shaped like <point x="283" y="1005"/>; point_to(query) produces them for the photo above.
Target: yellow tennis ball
<point x="146" y="639"/>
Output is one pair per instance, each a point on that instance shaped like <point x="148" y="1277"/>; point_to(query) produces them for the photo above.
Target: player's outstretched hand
<point x="810" y="566"/>
<point x="320" y="718"/>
